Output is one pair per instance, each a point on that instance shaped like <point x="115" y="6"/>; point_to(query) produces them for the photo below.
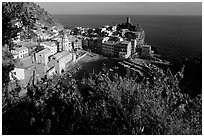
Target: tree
<point x="15" y="18"/>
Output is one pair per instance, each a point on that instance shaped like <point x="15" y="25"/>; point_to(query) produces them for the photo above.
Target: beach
<point x="90" y="56"/>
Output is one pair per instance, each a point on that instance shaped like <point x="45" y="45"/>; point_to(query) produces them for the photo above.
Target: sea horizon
<point x="128" y="14"/>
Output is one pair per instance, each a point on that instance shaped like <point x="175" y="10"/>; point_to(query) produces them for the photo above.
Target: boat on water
<point x="127" y="66"/>
<point x="121" y="63"/>
<point x="110" y="69"/>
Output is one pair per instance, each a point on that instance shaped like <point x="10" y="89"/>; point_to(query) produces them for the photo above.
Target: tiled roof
<point x="61" y="54"/>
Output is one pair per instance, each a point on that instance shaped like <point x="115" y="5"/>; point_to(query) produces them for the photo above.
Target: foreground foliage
<point x="100" y="105"/>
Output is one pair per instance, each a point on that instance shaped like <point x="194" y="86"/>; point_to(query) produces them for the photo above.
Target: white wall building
<point x="60" y="60"/>
<point x="60" y="64"/>
<point x="20" y="52"/>
<point x="124" y="49"/>
<point x="50" y="45"/>
<point x="19" y="73"/>
<point x="42" y="56"/>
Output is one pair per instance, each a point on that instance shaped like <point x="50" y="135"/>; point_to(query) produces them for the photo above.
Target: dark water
<point x="104" y="65"/>
<point x="173" y="36"/>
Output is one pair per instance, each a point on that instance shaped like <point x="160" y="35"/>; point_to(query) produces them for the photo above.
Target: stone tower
<point x="128" y="20"/>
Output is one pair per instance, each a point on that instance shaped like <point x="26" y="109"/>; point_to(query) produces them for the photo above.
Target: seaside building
<point x="138" y="36"/>
<point x="108" y="48"/>
<point x="77" y="44"/>
<point x="98" y="44"/>
<point x="91" y="45"/>
<point x="85" y="43"/>
<point x="146" y="51"/>
<point x="133" y="46"/>
<point x="124" y="31"/>
<point x="123" y="49"/>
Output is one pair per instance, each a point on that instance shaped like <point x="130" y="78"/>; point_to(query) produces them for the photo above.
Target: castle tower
<point x="128" y="20"/>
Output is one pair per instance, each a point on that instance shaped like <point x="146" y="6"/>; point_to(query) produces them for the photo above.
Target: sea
<point x="174" y="37"/>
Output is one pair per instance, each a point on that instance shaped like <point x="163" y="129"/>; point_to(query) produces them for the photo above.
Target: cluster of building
<point x="120" y="41"/>
<point x="54" y="50"/>
<point x="44" y="57"/>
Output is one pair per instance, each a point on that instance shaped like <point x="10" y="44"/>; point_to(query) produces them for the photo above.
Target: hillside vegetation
<point x="100" y="105"/>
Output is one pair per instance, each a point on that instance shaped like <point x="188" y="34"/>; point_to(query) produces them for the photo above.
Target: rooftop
<point x="61" y="54"/>
<point x="45" y="51"/>
<point x="48" y="43"/>
<point x="110" y="42"/>
<point x="74" y="38"/>
<point x="125" y="42"/>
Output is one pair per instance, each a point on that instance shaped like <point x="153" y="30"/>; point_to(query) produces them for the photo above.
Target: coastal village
<point x="107" y="80"/>
<point x="53" y="51"/>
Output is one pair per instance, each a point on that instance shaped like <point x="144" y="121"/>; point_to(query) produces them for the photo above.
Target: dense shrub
<point x="100" y="105"/>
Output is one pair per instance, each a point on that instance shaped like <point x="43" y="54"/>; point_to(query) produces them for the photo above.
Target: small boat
<point x="111" y="70"/>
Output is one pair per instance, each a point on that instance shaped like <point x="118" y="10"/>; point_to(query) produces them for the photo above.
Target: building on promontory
<point x="118" y="49"/>
<point x="146" y="51"/>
